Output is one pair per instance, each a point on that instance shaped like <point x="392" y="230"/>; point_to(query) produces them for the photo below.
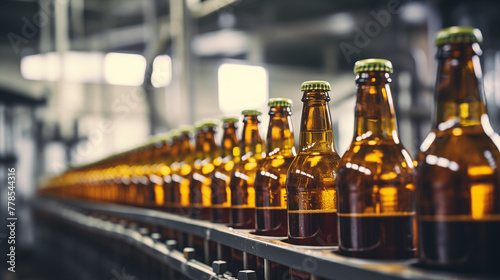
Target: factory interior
<point x="84" y="80"/>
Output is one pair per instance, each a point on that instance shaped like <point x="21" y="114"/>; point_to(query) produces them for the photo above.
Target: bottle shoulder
<point x="275" y="163"/>
<point x="378" y="155"/>
<point x="465" y="145"/>
<point x="459" y="160"/>
<point x="247" y="166"/>
<point x="317" y="168"/>
<point x="321" y="156"/>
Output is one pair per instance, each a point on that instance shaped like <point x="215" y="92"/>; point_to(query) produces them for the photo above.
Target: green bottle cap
<point x="459" y="34"/>
<point x="160" y="137"/>
<point x="165" y="136"/>
<point x="230" y="119"/>
<point x="285" y="102"/>
<point x="174" y="132"/>
<point x="315" y="85"/>
<point x="251" y="112"/>
<point x="186" y="129"/>
<point x="198" y="125"/>
<point x="209" y="123"/>
<point x="372" y="64"/>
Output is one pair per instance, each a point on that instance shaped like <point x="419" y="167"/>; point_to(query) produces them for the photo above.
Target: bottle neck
<point x="147" y="156"/>
<point x="199" y="144"/>
<point x="374" y="112"/>
<point x="185" y="148"/>
<point x="251" y="142"/>
<point x="210" y="148"/>
<point x="316" y="134"/>
<point x="280" y="139"/>
<point x="175" y="149"/>
<point x="459" y="94"/>
<point x="229" y="146"/>
<point x="159" y="152"/>
<point x="166" y="153"/>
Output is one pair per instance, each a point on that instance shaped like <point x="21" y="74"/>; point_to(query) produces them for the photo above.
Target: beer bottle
<point x="142" y="172"/>
<point x="221" y="192"/>
<point x="161" y="149"/>
<point x="206" y="151"/>
<point x="458" y="175"/>
<point x="180" y="173"/>
<point x="230" y="155"/>
<point x="172" y="165"/>
<point x="270" y="189"/>
<point x="133" y="194"/>
<point x="375" y="184"/>
<point x="310" y="182"/>
<point x="147" y="164"/>
<point x="122" y="178"/>
<point x="242" y="178"/>
<point x="242" y="186"/>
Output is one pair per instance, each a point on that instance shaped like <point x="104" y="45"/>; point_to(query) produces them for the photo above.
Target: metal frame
<point x="320" y="262"/>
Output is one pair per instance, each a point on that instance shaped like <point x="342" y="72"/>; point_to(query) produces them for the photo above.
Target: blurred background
<point x="84" y="79"/>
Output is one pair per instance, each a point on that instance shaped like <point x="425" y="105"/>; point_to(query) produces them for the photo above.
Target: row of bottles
<point x="370" y="202"/>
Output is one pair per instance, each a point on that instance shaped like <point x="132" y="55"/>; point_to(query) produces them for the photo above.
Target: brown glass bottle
<point x="122" y="178"/>
<point x="172" y="164"/>
<point x="270" y="189"/>
<point x="146" y="186"/>
<point x="375" y="182"/>
<point x="458" y="179"/>
<point x="229" y="157"/>
<point x="179" y="185"/>
<point x="310" y="182"/>
<point x="242" y="178"/>
<point x="200" y="191"/>
<point x="134" y="194"/>
<point x="161" y="151"/>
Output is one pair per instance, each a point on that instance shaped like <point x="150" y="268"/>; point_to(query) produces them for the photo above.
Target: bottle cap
<point x="209" y="123"/>
<point x="158" y="139"/>
<point x="175" y="133"/>
<point x="315" y="85"/>
<point x="251" y="112"/>
<point x="185" y="129"/>
<point x="198" y="125"/>
<point x="459" y="34"/>
<point x="372" y="64"/>
<point x="230" y="119"/>
<point x="164" y="136"/>
<point x="280" y="102"/>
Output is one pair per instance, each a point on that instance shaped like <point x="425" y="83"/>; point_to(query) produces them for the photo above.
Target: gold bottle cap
<point x="315" y="85"/>
<point x="459" y="34"/>
<point x="285" y="102"/>
<point x="373" y="64"/>
<point x="251" y="112"/>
